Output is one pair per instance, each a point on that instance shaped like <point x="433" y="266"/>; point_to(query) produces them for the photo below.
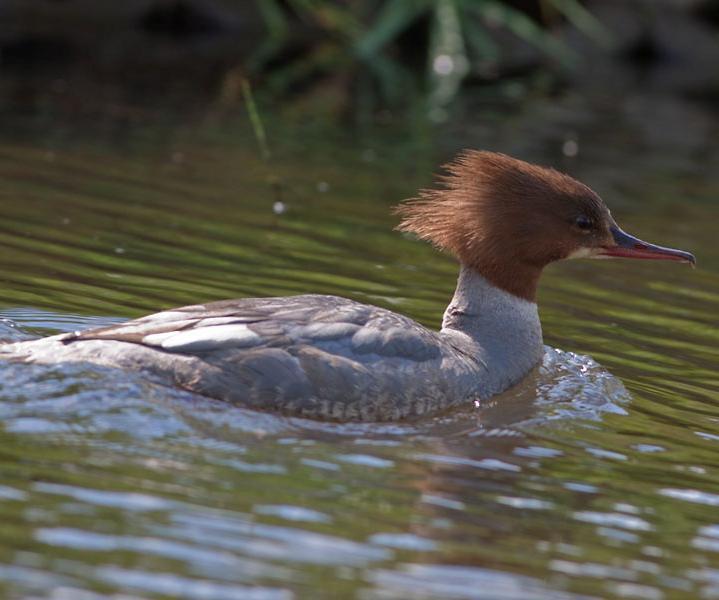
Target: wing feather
<point x="343" y="325"/>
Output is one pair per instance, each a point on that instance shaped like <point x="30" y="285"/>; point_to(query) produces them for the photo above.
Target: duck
<point x="331" y="358"/>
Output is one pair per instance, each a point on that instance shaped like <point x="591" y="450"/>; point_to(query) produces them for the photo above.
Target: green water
<point x="585" y="481"/>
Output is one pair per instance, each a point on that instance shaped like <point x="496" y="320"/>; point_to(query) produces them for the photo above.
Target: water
<point x="590" y="479"/>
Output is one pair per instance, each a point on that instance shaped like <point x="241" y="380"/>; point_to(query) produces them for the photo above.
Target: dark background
<point x="353" y="61"/>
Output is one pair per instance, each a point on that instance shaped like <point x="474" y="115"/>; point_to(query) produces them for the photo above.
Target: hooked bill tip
<point x="628" y="246"/>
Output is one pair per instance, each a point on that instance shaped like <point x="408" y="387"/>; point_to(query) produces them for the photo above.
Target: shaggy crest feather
<point x="488" y="210"/>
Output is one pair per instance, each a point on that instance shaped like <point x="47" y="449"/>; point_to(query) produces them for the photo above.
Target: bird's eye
<point x="583" y="222"/>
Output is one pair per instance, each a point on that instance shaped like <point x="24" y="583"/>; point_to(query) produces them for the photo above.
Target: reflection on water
<point x="589" y="479"/>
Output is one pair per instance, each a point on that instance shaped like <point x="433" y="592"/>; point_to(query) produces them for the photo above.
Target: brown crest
<point x="506" y="218"/>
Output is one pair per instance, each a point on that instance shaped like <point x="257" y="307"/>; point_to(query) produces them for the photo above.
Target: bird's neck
<point x="503" y="329"/>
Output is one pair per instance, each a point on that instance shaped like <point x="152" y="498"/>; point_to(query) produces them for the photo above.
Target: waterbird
<point x="327" y="357"/>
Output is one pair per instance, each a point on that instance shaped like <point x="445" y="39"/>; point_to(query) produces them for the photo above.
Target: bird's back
<point x="313" y="355"/>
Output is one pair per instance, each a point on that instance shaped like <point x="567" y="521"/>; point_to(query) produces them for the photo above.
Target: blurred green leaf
<point x="500" y="15"/>
<point x="394" y="17"/>
<point x="274" y="18"/>
<point x="394" y="81"/>
<point x="329" y="16"/>
<point x="460" y="31"/>
<point x="479" y="41"/>
<point x="258" y="127"/>
<point x="321" y="59"/>
<point x="583" y="20"/>
<point x="448" y="63"/>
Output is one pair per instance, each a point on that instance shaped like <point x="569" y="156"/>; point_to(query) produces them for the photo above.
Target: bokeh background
<point x="155" y="153"/>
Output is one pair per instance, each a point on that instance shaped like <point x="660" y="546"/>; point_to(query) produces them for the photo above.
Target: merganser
<point x="327" y="357"/>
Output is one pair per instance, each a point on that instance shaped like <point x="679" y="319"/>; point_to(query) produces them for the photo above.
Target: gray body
<point x="321" y="356"/>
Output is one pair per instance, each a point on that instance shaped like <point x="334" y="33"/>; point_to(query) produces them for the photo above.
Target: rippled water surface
<point x="584" y="481"/>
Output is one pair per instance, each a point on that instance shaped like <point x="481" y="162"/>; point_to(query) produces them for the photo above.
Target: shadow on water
<point x="583" y="481"/>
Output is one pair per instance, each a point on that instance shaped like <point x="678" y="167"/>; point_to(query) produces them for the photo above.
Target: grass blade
<point x="393" y="18"/>
<point x="523" y="27"/>
<point x="255" y="120"/>
<point x="583" y="20"/>
<point x="274" y="18"/>
<point x="448" y="63"/>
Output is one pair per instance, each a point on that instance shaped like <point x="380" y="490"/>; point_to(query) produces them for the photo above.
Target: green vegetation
<point x="393" y="48"/>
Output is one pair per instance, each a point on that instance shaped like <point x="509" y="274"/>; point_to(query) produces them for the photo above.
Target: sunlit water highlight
<point x="595" y="477"/>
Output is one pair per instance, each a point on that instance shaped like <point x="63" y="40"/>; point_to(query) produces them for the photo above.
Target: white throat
<point x="503" y="330"/>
